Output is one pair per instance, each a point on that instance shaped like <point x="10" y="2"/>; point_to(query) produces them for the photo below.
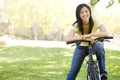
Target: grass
<point x="37" y="63"/>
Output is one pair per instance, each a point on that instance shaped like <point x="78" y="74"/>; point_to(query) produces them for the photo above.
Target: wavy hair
<point x="79" y="20"/>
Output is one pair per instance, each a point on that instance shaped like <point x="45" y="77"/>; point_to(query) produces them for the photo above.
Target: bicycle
<point x="93" y="71"/>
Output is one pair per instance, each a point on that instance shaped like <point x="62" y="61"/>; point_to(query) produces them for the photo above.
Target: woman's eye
<point x="86" y="11"/>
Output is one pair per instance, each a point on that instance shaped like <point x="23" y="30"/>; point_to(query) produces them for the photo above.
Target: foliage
<point x="35" y="19"/>
<point x="38" y="20"/>
<point x="93" y="2"/>
<point x="37" y="63"/>
<point x="110" y="3"/>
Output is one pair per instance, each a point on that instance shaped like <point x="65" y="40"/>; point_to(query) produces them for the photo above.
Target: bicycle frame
<point x="93" y="72"/>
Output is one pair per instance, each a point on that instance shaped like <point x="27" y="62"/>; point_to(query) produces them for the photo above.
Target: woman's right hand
<point x="86" y="36"/>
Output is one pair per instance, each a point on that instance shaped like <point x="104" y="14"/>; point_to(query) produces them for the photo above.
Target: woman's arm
<point x="71" y="36"/>
<point x="103" y="32"/>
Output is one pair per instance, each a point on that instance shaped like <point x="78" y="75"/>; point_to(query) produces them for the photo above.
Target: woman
<point x="86" y="28"/>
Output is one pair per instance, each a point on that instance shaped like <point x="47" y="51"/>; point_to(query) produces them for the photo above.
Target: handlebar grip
<point x="73" y="42"/>
<point x="99" y="38"/>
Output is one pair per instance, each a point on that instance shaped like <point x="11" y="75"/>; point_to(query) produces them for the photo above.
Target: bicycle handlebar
<point x="96" y="39"/>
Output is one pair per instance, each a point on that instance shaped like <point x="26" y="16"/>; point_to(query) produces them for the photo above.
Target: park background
<point x="50" y="20"/>
<point x="32" y="36"/>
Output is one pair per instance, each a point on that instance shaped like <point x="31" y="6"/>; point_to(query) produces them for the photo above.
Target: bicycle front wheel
<point x="93" y="73"/>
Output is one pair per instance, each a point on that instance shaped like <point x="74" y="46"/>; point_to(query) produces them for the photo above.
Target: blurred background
<point x="51" y="19"/>
<point x="32" y="34"/>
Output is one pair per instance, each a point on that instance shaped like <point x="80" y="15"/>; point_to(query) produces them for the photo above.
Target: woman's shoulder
<point x="75" y="27"/>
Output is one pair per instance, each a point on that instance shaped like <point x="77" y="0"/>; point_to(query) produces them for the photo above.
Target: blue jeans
<point x="79" y="55"/>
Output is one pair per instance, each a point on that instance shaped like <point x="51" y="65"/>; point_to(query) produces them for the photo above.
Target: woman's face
<point x="85" y="14"/>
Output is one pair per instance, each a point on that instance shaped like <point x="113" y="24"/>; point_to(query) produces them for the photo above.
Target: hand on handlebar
<point x="84" y="37"/>
<point x="88" y="37"/>
<point x="92" y="40"/>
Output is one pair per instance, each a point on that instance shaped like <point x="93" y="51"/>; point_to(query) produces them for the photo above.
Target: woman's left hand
<point x="90" y="39"/>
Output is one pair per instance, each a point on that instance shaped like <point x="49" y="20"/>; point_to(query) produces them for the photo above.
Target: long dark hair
<point x="79" y="20"/>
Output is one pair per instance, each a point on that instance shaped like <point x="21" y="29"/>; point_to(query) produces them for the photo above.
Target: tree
<point x="110" y="3"/>
<point x="36" y="19"/>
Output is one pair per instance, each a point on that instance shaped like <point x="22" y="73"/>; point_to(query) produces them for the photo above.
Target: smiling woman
<point x="86" y="28"/>
<point x="85" y="15"/>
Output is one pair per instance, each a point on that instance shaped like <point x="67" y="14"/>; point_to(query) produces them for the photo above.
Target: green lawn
<point x="37" y="63"/>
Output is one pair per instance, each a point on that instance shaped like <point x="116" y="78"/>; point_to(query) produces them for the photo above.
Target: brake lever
<point x="107" y="40"/>
<point x="73" y="45"/>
